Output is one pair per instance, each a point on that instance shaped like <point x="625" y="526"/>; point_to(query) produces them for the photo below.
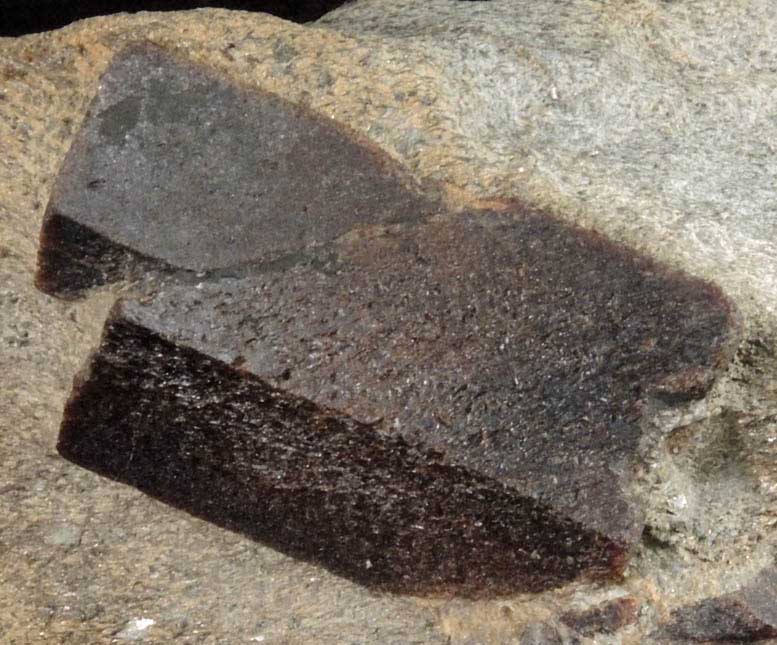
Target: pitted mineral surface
<point x="455" y="405"/>
<point x="178" y="169"/>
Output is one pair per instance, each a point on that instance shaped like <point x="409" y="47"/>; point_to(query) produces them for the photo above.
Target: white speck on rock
<point x="135" y="629"/>
<point x="679" y="501"/>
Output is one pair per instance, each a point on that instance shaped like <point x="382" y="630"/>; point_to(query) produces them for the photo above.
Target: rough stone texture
<point x="745" y="616"/>
<point x="178" y="169"/>
<point x="67" y="535"/>
<point x="473" y="339"/>
<point x="546" y="633"/>
<point x="648" y="121"/>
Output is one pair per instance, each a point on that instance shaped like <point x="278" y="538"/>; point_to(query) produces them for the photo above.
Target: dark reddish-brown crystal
<point x="446" y="406"/>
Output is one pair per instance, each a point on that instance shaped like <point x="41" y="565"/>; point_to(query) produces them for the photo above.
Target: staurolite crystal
<point x="446" y="406"/>
<point x="426" y="403"/>
<point x="177" y="169"/>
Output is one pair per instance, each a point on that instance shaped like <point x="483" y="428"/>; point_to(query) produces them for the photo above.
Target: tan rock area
<point x="654" y="123"/>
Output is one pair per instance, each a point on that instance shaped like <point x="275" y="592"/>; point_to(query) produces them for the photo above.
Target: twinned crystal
<point x="423" y="401"/>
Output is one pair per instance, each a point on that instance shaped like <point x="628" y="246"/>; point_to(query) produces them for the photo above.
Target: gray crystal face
<point x="177" y="168"/>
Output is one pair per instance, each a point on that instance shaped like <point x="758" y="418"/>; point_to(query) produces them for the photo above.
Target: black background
<point x="19" y="17"/>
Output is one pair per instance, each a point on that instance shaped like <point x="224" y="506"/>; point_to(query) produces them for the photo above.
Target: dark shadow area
<point x="19" y="17"/>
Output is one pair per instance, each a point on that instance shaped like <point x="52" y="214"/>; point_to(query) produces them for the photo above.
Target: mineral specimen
<point x="424" y="401"/>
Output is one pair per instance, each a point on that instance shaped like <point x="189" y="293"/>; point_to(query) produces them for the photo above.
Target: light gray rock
<point x="63" y="535"/>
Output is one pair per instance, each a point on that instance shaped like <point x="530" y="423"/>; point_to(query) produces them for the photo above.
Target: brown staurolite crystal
<point x="423" y="402"/>
<point x="446" y="406"/>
